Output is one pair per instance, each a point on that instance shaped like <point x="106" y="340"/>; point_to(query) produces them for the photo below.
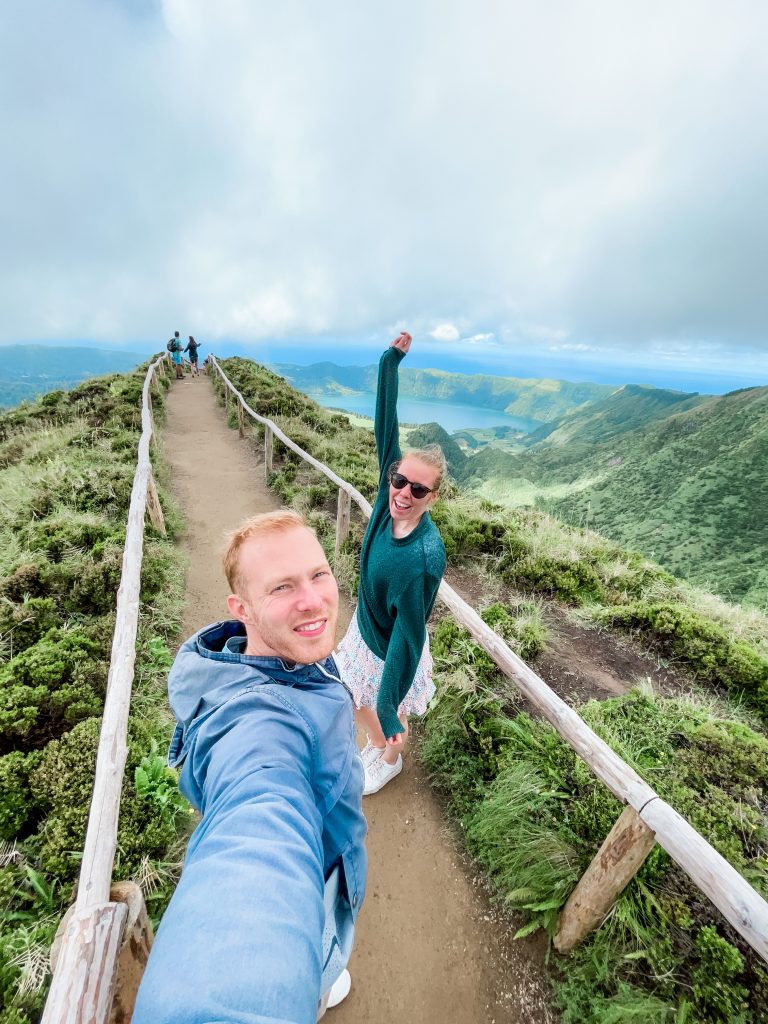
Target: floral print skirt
<point x="361" y="670"/>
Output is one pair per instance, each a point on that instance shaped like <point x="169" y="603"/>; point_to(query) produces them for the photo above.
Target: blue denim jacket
<point x="262" y="920"/>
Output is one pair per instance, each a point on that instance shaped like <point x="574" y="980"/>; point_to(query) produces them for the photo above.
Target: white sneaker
<point x="378" y="774"/>
<point x="340" y="988"/>
<point x="369" y="753"/>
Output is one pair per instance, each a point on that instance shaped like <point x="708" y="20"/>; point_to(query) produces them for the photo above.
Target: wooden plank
<point x="268" y="451"/>
<point x="154" y="507"/>
<point x="83" y="983"/>
<point x="733" y="896"/>
<point x="240" y="419"/>
<point x="615" y="865"/>
<point x="343" y="509"/>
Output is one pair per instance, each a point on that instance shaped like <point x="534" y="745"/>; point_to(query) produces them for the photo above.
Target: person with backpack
<point x="174" y="347"/>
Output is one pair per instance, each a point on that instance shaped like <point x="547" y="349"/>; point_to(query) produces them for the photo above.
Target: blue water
<point x="450" y="415"/>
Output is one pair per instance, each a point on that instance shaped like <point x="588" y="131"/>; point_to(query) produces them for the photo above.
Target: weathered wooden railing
<point x="646" y="819"/>
<point x="104" y="939"/>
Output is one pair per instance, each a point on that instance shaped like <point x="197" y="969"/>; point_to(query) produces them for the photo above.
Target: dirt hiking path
<point x="429" y="947"/>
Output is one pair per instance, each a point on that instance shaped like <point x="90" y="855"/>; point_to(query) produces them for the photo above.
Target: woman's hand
<point x="399" y="737"/>
<point x="402" y="341"/>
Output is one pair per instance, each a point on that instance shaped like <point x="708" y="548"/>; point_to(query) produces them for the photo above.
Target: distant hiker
<point x="261" y="924"/>
<point x="385" y="656"/>
<point x="192" y="347"/>
<point x="174" y="347"/>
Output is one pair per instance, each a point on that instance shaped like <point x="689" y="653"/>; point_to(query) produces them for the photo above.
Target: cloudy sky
<point x="584" y="182"/>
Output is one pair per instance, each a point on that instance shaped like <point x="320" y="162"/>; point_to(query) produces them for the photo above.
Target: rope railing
<point x="647" y="819"/>
<point x="92" y="935"/>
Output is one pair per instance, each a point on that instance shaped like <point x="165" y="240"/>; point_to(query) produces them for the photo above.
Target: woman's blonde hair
<point x="265" y="525"/>
<point x="431" y="455"/>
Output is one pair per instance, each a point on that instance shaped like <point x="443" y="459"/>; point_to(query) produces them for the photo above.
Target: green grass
<point x="534" y="816"/>
<point x="67" y="469"/>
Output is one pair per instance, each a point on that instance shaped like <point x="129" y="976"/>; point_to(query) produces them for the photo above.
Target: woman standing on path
<point x="384" y="656"/>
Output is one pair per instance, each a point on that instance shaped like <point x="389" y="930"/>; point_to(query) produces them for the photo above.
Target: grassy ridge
<point x="67" y="470"/>
<point x="531" y="811"/>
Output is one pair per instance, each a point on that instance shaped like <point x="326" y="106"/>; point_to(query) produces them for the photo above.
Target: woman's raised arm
<point x="386" y="425"/>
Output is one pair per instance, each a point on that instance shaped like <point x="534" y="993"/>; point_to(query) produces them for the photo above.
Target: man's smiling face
<point x="291" y="601"/>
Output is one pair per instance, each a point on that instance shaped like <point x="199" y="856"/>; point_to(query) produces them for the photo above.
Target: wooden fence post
<point x="343" y="508"/>
<point x="617" y="862"/>
<point x="153" y="506"/>
<point x="268" y="448"/>
<point x="134" y="951"/>
<point x="88" y="952"/>
<point x="240" y="419"/>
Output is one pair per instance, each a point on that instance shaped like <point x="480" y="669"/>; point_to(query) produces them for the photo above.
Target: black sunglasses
<point x="399" y="481"/>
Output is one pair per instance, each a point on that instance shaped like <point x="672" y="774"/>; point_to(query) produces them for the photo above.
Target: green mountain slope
<point x="27" y="371"/>
<point x="688" y="492"/>
<point x="679" y="477"/>
<point x="542" y="400"/>
<point x="626" y="409"/>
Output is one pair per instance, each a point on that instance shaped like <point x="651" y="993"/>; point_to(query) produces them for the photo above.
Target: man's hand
<point x="402" y="341"/>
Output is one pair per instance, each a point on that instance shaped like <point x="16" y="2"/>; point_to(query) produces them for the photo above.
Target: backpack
<point x="171" y="346"/>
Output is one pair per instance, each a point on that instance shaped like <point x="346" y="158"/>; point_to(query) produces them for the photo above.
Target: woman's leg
<point x="369" y="720"/>
<point x="394" y="750"/>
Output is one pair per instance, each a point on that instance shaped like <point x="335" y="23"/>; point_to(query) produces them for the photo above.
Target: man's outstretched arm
<point x="242" y="938"/>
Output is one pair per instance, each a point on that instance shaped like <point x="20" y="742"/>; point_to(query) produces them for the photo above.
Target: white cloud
<point x="578" y="346"/>
<point x="445" y="332"/>
<point x="587" y="173"/>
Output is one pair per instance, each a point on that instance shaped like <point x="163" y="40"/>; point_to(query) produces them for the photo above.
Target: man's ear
<point x="237" y="607"/>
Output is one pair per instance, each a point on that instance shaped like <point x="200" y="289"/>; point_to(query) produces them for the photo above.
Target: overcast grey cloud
<point x="576" y="177"/>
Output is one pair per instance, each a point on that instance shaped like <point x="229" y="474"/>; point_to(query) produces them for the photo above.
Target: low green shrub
<point x="18" y="800"/>
<point x="66" y="485"/>
<point x="703" y="645"/>
<point x="50" y="686"/>
<point x="22" y="625"/>
<point x="521" y="626"/>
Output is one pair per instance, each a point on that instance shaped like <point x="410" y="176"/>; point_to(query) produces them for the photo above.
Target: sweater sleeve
<point x="386" y="426"/>
<point x="404" y="651"/>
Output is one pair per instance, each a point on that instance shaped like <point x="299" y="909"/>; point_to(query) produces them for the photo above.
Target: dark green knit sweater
<point x="399" y="577"/>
